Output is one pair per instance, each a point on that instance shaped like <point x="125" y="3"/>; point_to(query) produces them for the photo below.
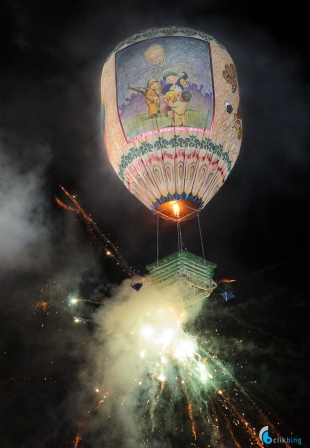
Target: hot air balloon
<point x="172" y="125"/>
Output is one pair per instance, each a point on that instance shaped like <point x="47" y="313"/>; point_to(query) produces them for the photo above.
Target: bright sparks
<point x="185" y="349"/>
<point x="171" y="378"/>
<point x="41" y="305"/>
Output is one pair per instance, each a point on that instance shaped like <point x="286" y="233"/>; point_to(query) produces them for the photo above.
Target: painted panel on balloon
<point x="164" y="82"/>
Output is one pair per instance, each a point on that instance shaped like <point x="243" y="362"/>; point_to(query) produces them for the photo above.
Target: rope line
<point x="157" y="238"/>
<point x="178" y="230"/>
<point x="203" y="252"/>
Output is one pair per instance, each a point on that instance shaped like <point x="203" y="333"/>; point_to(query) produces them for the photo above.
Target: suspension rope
<point x="157" y="238"/>
<point x="181" y="241"/>
<point x="203" y="252"/>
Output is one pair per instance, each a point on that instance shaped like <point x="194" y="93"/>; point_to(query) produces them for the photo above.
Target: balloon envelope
<point x="172" y="127"/>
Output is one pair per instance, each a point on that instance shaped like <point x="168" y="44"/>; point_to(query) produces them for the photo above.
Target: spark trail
<point x="81" y="320"/>
<point x="83" y="424"/>
<point x="93" y="229"/>
<point x="92" y="302"/>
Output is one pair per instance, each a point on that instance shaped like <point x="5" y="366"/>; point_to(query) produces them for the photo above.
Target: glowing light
<point x="186" y="349"/>
<point x="176" y="209"/>
<point x="147" y="331"/>
<point x="203" y="372"/>
<point x="162" y="377"/>
<point x="166" y="337"/>
<point x="74" y="300"/>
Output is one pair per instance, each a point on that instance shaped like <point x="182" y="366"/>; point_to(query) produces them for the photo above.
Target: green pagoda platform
<point x="191" y="273"/>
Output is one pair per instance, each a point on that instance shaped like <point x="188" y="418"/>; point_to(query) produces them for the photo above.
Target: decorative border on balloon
<point x="181" y="153"/>
<point x="167" y="129"/>
<point x="176" y="142"/>
<point x="167" y="31"/>
<point x="175" y="196"/>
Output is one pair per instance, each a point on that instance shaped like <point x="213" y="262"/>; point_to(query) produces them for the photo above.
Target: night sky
<point x="255" y="228"/>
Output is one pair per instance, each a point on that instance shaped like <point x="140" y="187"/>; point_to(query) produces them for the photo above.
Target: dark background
<point x="255" y="229"/>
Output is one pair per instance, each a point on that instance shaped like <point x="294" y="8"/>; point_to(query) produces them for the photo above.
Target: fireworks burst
<point x="170" y="387"/>
<point x="182" y="371"/>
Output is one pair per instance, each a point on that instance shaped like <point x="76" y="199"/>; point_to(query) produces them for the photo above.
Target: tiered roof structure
<point x="193" y="274"/>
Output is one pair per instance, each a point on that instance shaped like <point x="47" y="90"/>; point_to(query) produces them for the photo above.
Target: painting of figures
<point x="164" y="82"/>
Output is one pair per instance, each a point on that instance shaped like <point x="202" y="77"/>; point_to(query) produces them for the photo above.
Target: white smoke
<point x="23" y="230"/>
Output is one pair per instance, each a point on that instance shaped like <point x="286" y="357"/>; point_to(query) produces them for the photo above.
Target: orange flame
<point x="176" y="209"/>
<point x="225" y="280"/>
<point x="77" y="440"/>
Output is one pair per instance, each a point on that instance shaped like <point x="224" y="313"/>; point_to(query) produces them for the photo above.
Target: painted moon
<point x="155" y="54"/>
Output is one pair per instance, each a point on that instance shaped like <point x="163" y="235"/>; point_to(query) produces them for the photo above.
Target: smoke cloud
<point x="23" y="217"/>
